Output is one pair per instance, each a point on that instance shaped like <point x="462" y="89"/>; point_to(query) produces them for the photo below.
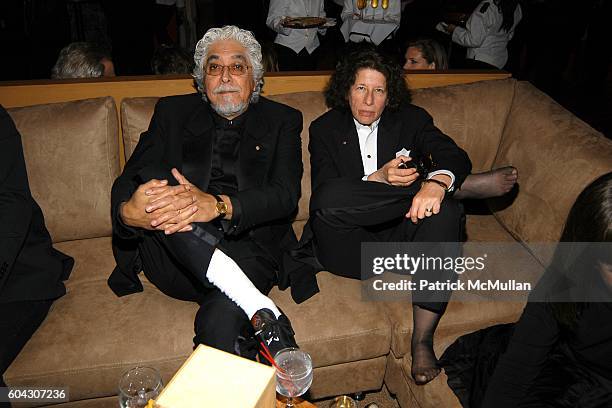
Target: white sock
<point x="225" y="274"/>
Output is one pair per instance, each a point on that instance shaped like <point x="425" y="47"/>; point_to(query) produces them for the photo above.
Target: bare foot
<point x="424" y="362"/>
<point x="489" y="184"/>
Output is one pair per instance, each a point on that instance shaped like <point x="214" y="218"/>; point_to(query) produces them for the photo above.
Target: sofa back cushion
<point x="71" y="151"/>
<point x="312" y="105"/>
<point x="136" y="115"/>
<point x="557" y="156"/>
<point x="473" y="115"/>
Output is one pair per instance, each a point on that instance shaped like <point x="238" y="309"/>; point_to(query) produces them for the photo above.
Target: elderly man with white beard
<point x="204" y="204"/>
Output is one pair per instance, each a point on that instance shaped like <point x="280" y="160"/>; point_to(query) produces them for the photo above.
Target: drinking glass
<point x="293" y="373"/>
<point x="343" y="401"/>
<point x="384" y="5"/>
<point x="137" y="386"/>
<point x="361" y="4"/>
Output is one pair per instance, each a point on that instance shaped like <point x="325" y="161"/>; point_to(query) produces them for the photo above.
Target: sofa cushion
<point x="473" y="115"/>
<point x="136" y="114"/>
<point x="93" y="260"/>
<point x="434" y="394"/>
<point x="558" y="154"/>
<point x="335" y="326"/>
<point x="91" y="336"/>
<point x="485" y="228"/>
<point x="312" y="105"/>
<point x="348" y="378"/>
<point x="72" y="156"/>
<point x="298" y="228"/>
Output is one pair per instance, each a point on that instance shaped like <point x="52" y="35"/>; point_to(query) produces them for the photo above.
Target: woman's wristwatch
<point x="438" y="182"/>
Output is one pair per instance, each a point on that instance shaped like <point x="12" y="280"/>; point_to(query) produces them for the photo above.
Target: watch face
<point x="221" y="208"/>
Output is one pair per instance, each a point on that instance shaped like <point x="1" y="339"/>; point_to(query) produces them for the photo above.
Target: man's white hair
<point x="244" y="37"/>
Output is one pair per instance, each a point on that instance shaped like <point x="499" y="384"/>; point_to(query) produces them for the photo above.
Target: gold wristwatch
<point x="220" y="207"/>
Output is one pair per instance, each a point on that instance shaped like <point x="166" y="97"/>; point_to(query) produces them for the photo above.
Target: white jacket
<point x="482" y="35"/>
<point x="296" y="39"/>
<point x="357" y="30"/>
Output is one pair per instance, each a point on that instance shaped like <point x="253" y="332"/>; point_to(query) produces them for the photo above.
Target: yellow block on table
<point x="212" y="378"/>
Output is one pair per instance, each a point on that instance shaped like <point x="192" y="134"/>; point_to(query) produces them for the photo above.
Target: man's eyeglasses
<point x="236" y="69"/>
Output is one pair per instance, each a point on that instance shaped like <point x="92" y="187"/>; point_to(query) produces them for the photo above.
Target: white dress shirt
<point x="357" y="30"/>
<point x="296" y="39"/>
<point x="368" y="146"/>
<point x="368" y="136"/>
<point x="482" y="37"/>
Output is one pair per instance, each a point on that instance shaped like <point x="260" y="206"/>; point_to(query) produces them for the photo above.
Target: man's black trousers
<point x="177" y="266"/>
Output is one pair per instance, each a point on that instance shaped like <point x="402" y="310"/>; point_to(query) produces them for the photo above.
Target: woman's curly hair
<point x="366" y="56"/>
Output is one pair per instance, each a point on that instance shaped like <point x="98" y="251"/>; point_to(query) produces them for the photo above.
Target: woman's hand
<point x="428" y="200"/>
<point x="391" y="174"/>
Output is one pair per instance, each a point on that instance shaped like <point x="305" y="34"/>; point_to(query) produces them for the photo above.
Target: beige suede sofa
<point x="91" y="336"/>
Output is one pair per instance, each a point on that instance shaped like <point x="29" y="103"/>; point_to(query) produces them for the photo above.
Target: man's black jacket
<point x="268" y="173"/>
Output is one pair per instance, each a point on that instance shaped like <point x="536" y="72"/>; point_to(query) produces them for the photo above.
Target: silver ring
<point x="428" y="210"/>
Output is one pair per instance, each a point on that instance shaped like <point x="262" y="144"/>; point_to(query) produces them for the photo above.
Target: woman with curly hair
<point x="365" y="190"/>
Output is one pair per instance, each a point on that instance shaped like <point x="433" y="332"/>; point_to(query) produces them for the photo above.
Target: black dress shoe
<point x="275" y="334"/>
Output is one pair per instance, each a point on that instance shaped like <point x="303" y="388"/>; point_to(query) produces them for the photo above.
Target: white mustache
<point x="225" y="88"/>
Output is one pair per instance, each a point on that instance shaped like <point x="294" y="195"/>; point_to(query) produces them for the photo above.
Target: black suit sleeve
<point x="277" y="198"/>
<point x="149" y="151"/>
<point x="322" y="165"/>
<point x="534" y="336"/>
<point x="15" y="205"/>
<point x="445" y="152"/>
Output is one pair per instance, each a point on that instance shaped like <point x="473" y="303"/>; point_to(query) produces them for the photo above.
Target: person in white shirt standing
<point x="487" y="33"/>
<point x="295" y="46"/>
<point x="374" y="22"/>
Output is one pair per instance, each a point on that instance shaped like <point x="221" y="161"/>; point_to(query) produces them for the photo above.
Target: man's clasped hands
<point x="155" y="205"/>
